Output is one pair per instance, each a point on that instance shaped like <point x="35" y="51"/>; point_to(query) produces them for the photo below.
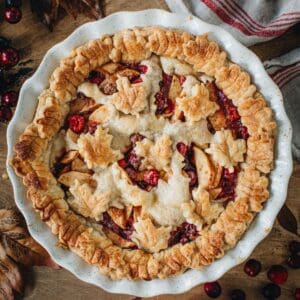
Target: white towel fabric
<point x="285" y="71"/>
<point x="251" y="22"/>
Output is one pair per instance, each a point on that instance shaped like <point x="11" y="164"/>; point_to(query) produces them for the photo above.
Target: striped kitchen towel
<point x="285" y="71"/>
<point x="251" y="22"/>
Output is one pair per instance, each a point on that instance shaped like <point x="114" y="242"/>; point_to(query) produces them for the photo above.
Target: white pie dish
<point x="279" y="176"/>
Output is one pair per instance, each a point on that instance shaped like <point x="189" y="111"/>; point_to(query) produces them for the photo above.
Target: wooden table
<point x="33" y="39"/>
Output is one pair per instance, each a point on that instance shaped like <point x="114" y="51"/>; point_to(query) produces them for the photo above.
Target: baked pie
<point x="149" y="153"/>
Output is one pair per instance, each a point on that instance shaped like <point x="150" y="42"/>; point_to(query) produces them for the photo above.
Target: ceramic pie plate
<point x="279" y="177"/>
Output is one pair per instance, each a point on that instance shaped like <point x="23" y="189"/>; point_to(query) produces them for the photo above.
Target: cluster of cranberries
<point x="277" y="274"/>
<point x="228" y="183"/>
<point x="9" y="57"/>
<point x="183" y="234"/>
<point x="12" y="12"/>
<point x="233" y="119"/>
<point x="146" y="179"/>
<point x="163" y="103"/>
<point x="189" y="162"/>
<point x="125" y="233"/>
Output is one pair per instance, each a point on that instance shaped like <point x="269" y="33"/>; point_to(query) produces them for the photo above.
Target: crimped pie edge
<point x="136" y="264"/>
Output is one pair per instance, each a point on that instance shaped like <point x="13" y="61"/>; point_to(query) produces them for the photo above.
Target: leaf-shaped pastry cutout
<point x="287" y="220"/>
<point x="11" y="271"/>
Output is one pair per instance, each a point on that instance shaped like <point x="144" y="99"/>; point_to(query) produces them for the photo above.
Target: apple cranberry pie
<point x="149" y="152"/>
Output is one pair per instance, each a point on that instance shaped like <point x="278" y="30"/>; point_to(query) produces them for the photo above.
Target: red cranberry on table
<point x="237" y="294"/>
<point x="278" y="274"/>
<point x="297" y="294"/>
<point x="212" y="289"/>
<point x="9" y="98"/>
<point x="294" y="261"/>
<point x="76" y="123"/>
<point x="12" y="15"/>
<point x="252" y="267"/>
<point x="9" y="57"/>
<point x="5" y="113"/>
<point x="271" y="291"/>
<point x="294" y="246"/>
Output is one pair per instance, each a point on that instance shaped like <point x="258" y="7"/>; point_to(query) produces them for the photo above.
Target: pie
<point x="149" y="153"/>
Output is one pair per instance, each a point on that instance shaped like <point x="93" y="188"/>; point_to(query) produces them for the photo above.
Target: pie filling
<point x="137" y="136"/>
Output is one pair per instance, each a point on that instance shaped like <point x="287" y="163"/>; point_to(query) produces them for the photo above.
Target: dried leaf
<point x="6" y="291"/>
<point x="18" y="244"/>
<point x="287" y="220"/>
<point x="11" y="271"/>
<point x="21" y="252"/>
<point x="49" y="11"/>
<point x="9" y="219"/>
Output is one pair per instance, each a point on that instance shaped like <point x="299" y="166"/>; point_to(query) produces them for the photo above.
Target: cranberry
<point x="193" y="177"/>
<point x="92" y="126"/>
<point x="5" y="113"/>
<point x="294" y="246"/>
<point x="182" y="148"/>
<point x="132" y="173"/>
<point x="122" y="163"/>
<point x="252" y="267"/>
<point x="170" y="107"/>
<point x="237" y="294"/>
<point x="10" y="98"/>
<point x="243" y="133"/>
<point x="278" y="274"/>
<point x="297" y="294"/>
<point x="133" y="159"/>
<point x="233" y="113"/>
<point x="96" y="77"/>
<point x="9" y="57"/>
<point x="15" y="3"/>
<point x="151" y="177"/>
<point x="137" y="80"/>
<point x="271" y="291"/>
<point x="76" y="123"/>
<point x="162" y="101"/>
<point x="136" y="137"/>
<point x="182" y="234"/>
<point x="4" y="43"/>
<point x="108" y="222"/>
<point x="142" y="68"/>
<point x="12" y="15"/>
<point x="294" y="261"/>
<point x="212" y="289"/>
<point x="228" y="183"/>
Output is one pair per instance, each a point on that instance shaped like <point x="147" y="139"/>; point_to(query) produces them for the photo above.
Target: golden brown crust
<point x="134" y="45"/>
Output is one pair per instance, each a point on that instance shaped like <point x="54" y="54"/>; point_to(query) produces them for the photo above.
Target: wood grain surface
<point x="33" y="40"/>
